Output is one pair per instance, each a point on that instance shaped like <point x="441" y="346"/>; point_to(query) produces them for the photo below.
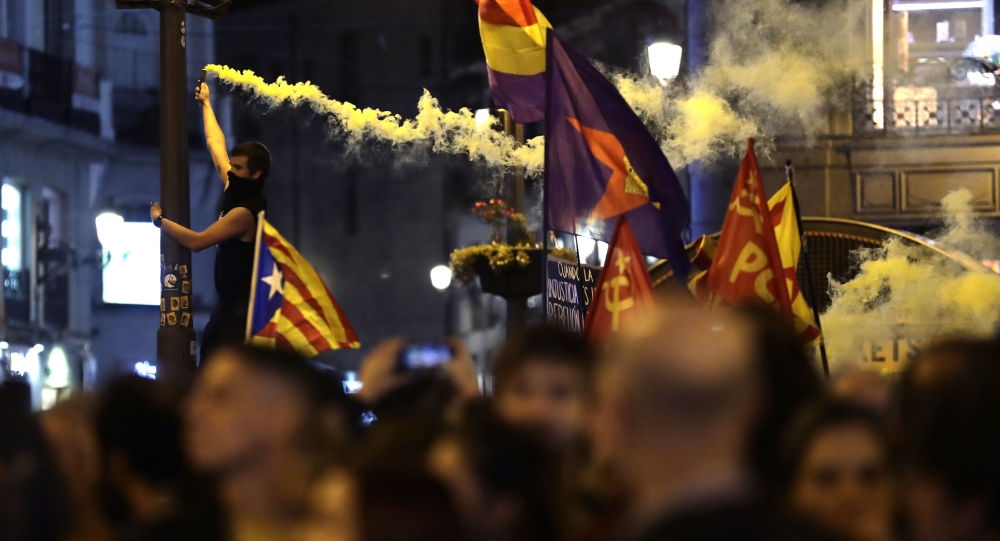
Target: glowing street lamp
<point x="664" y="60"/>
<point x="441" y="277"/>
<point x="483" y="117"/>
<point x="108" y="224"/>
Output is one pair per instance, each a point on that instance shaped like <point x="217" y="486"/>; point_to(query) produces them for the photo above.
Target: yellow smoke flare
<point x="454" y="132"/>
<point x="902" y="292"/>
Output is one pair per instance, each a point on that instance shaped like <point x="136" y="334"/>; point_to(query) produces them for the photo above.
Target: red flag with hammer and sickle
<point x="624" y="292"/>
<point x="747" y="264"/>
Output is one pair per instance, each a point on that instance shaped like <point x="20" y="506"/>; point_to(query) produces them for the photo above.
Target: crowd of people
<point x="691" y="425"/>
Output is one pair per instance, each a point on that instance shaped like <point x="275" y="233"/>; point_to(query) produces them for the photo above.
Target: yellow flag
<point x="786" y="231"/>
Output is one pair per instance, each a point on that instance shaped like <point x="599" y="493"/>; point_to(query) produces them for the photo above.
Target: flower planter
<point x="512" y="280"/>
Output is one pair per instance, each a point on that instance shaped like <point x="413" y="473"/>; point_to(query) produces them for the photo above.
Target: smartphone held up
<point x="423" y="356"/>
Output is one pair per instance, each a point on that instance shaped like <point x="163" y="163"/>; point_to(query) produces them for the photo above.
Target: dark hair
<point x="332" y="419"/>
<point x="952" y="431"/>
<point x="258" y="157"/>
<point x="510" y="462"/>
<point x="941" y="362"/>
<point x="546" y="343"/>
<point x="812" y="421"/>
<point x="34" y="503"/>
<point x="789" y="381"/>
<point x="394" y="506"/>
<point x="409" y="419"/>
<point x="140" y="418"/>
<point x="284" y="364"/>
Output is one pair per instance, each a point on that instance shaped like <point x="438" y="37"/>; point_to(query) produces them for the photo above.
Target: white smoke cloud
<point x="774" y="67"/>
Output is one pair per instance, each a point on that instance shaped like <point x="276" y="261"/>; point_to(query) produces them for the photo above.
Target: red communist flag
<point x="747" y="264"/>
<point x="624" y="292"/>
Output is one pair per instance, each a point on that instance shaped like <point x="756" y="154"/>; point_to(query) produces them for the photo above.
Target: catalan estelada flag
<point x="747" y="264"/>
<point x="601" y="163"/>
<point x="624" y="292"/>
<point x="290" y="306"/>
<point x="513" y="34"/>
<point x="784" y="217"/>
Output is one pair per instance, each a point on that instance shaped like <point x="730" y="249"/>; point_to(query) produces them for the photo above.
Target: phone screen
<point x="423" y="356"/>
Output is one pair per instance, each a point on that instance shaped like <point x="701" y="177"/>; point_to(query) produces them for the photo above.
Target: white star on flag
<point x="275" y="280"/>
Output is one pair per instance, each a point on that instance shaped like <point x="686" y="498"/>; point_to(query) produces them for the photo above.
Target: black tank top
<point x="234" y="261"/>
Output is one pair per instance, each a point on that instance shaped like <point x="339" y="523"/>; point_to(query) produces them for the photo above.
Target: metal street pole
<point x="175" y="339"/>
<point x="517" y="306"/>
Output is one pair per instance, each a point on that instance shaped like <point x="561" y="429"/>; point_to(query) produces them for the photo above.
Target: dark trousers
<point x="226" y="326"/>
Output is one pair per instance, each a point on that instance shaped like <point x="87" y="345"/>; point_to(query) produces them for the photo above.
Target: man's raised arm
<point x="213" y="133"/>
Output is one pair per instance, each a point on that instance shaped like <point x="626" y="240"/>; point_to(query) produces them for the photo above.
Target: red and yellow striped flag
<point x="290" y="306"/>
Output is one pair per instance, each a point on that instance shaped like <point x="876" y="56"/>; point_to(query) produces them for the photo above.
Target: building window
<point x="935" y="43"/>
<point x="59" y="22"/>
<point x="13" y="234"/>
<point x="425" y="50"/>
<point x="4" y="18"/>
<point x="350" y="66"/>
<point x="352" y="200"/>
<point x="52" y="212"/>
<point x="131" y="24"/>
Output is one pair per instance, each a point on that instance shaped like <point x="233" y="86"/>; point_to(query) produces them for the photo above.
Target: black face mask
<point x="243" y="188"/>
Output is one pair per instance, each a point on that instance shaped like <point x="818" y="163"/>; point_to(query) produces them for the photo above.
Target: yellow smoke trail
<point x="774" y="66"/>
<point x="446" y="131"/>
<point x="901" y="292"/>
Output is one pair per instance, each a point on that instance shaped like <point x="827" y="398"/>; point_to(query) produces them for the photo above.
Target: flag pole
<point x="811" y="291"/>
<point x="545" y="182"/>
<point x="579" y="277"/>
<point x="253" y="276"/>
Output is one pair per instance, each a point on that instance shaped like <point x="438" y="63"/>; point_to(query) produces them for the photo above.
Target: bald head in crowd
<point x="677" y="397"/>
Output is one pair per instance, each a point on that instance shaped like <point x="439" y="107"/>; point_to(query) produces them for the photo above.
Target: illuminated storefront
<point x="934" y="66"/>
<point x="52" y="373"/>
<point x="932" y="32"/>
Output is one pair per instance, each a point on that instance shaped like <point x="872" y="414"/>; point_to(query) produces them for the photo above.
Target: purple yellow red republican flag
<point x="290" y="306"/>
<point x="513" y="34"/>
<point x="624" y="292"/>
<point x="747" y="264"/>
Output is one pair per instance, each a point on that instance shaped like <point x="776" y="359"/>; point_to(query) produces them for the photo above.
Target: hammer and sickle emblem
<point x="613" y="299"/>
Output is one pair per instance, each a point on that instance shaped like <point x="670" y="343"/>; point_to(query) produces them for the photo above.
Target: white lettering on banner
<point x="564" y="316"/>
<point x="562" y="291"/>
<point x="568" y="272"/>
<point x="569" y="289"/>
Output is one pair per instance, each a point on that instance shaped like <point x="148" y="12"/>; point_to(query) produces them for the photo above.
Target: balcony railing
<point x="927" y="111"/>
<point x="53" y="88"/>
